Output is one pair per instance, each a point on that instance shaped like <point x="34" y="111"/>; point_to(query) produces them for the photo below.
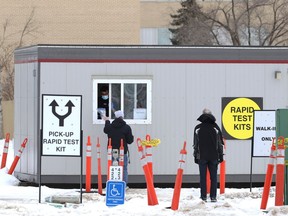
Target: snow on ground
<point x="23" y="200"/>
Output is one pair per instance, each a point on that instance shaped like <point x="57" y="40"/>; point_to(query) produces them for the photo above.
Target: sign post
<point x="61" y="129"/>
<point x="61" y="125"/>
<point x="264" y="131"/>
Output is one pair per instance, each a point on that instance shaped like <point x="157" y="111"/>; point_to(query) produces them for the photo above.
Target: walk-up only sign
<point x="61" y="125"/>
<point x="264" y="131"/>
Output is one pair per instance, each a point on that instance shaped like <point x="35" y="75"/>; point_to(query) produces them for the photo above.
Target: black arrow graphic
<point x="61" y="118"/>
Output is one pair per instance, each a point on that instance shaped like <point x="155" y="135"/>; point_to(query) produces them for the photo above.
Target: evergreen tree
<point x="189" y="25"/>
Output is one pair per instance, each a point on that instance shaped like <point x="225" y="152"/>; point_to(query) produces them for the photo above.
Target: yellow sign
<point x="152" y="143"/>
<point x="237" y="117"/>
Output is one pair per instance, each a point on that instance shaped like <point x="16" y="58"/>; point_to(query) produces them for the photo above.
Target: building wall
<point x="157" y="14"/>
<point x="90" y="21"/>
<point x="76" y="22"/>
<point x="86" y="22"/>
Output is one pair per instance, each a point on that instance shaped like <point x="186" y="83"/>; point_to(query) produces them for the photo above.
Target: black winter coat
<point x="208" y="140"/>
<point x="118" y="130"/>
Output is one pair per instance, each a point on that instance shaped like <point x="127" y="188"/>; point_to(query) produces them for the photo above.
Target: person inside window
<point x="103" y="102"/>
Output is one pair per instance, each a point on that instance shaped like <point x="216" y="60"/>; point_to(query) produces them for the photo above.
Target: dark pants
<point x="212" y="167"/>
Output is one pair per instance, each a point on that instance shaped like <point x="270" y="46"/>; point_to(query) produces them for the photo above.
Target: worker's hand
<point x="105" y="118"/>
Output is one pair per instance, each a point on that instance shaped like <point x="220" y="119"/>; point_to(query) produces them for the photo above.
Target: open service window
<point x="132" y="96"/>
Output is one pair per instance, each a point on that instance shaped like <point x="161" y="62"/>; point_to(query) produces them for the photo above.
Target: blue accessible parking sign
<point x="115" y="193"/>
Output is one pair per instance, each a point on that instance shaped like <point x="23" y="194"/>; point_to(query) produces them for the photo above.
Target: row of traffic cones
<point x="147" y="167"/>
<point x="88" y="166"/>
<point x="109" y="162"/>
<point x="145" y="153"/>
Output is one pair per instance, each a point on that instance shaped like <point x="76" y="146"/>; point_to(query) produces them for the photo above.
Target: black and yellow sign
<point x="237" y="116"/>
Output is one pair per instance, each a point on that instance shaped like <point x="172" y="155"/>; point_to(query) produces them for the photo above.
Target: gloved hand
<point x="105" y="118"/>
<point x="196" y="160"/>
<point x="220" y="160"/>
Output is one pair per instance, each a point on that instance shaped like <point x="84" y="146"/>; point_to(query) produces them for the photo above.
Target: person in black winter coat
<point x="208" y="152"/>
<point x="118" y="130"/>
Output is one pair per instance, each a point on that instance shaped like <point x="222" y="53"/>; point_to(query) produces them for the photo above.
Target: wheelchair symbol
<point x="114" y="191"/>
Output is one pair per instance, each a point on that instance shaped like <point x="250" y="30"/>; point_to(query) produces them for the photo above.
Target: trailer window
<point x="133" y="97"/>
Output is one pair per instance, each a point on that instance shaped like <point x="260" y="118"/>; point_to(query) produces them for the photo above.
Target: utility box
<point x="282" y="130"/>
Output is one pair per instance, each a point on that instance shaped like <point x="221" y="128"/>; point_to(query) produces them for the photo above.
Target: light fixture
<point x="278" y="75"/>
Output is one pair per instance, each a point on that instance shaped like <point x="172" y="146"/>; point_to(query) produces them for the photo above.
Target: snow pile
<point x="7" y="179"/>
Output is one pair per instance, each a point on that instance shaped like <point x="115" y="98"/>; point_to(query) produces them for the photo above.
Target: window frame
<point x="121" y="81"/>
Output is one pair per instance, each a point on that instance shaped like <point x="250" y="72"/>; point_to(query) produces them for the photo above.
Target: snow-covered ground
<point x="23" y="200"/>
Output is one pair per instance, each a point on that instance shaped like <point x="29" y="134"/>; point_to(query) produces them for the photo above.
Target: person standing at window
<point x="208" y="152"/>
<point x="118" y="130"/>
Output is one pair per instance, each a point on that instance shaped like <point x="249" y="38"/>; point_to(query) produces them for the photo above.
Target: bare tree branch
<point x="246" y="22"/>
<point x="30" y="27"/>
<point x="8" y="43"/>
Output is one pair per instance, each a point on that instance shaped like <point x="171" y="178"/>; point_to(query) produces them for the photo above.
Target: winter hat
<point x="119" y="114"/>
<point x="206" y="111"/>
